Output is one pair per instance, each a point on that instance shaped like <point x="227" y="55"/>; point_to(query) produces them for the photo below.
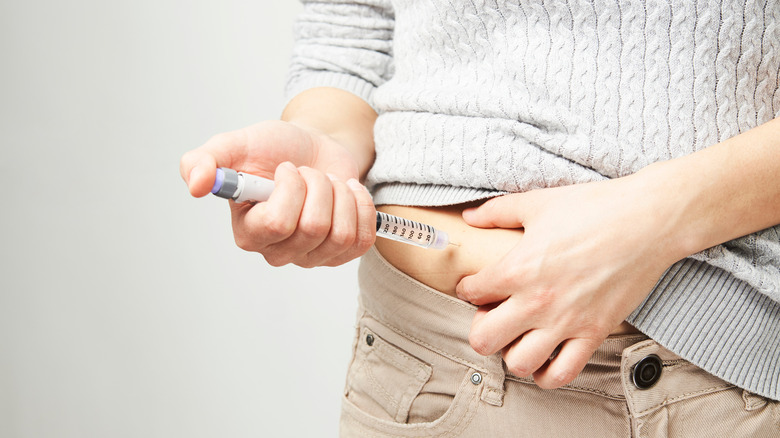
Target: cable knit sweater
<point x="481" y="97"/>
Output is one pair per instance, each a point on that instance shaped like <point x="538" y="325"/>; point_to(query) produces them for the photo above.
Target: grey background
<point x="125" y="308"/>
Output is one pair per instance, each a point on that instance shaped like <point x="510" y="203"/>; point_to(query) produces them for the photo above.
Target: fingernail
<point x="355" y="185"/>
<point x="332" y="177"/>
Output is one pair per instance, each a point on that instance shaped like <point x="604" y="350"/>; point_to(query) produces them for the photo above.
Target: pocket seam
<point x="426" y="344"/>
<point x="385" y="347"/>
<point x="410" y="375"/>
<point x="455" y="420"/>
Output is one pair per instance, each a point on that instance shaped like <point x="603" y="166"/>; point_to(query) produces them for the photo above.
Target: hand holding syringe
<point x="244" y="187"/>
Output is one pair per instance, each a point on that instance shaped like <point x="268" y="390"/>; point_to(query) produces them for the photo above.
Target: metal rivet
<point x="476" y="378"/>
<point x="370" y="339"/>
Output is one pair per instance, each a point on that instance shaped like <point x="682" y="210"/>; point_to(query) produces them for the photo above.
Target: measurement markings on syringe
<point x="405" y="228"/>
<point x="243" y="187"/>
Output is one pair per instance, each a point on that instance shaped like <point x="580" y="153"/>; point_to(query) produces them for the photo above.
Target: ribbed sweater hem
<point x="428" y="195"/>
<point x="717" y="322"/>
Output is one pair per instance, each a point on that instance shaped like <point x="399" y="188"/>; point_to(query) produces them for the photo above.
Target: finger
<point x="574" y="354"/>
<point x="482" y="313"/>
<point x="491" y="284"/>
<point x="501" y="212"/>
<point x="499" y="327"/>
<point x="530" y="352"/>
<point x="198" y="167"/>
<point x="366" y="224"/>
<point x="256" y="227"/>
<point x="343" y="229"/>
<point x="313" y="224"/>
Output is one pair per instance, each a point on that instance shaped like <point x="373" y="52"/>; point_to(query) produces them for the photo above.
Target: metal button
<point x="476" y="378"/>
<point x="647" y="371"/>
<point x="370" y="339"/>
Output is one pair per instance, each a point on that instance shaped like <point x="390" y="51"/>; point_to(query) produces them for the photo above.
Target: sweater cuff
<point x="352" y="84"/>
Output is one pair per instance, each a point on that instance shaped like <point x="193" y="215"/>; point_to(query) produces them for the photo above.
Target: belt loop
<point x="752" y="401"/>
<point x="493" y="391"/>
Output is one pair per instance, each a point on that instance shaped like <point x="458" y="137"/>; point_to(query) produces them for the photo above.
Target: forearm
<point x="342" y="116"/>
<point x="723" y="192"/>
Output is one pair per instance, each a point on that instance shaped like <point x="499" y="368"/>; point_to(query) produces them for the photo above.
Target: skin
<point x="591" y="253"/>
<point x="588" y="256"/>
<point x="318" y="214"/>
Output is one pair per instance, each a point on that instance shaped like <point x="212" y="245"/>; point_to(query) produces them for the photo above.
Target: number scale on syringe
<point x="244" y="187"/>
<point x="409" y="231"/>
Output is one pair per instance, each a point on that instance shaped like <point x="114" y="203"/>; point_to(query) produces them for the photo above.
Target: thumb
<point x="506" y="211"/>
<point x="198" y="167"/>
<point x="198" y="171"/>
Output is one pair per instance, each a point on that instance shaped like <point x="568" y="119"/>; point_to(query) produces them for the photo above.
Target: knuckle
<point x="243" y="241"/>
<point x="277" y="258"/>
<point x="590" y="327"/>
<point x="557" y="379"/>
<point x="307" y="263"/>
<point x="313" y="227"/>
<point x="363" y="246"/>
<point x="541" y="298"/>
<point x="246" y="240"/>
<point x="599" y="330"/>
<point x="278" y="227"/>
<point x="365" y="238"/>
<point x="228" y="138"/>
<point x="221" y="138"/>
<point x="276" y="263"/>
<point x="342" y="238"/>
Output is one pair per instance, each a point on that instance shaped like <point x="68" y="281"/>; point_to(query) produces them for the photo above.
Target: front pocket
<point x="383" y="380"/>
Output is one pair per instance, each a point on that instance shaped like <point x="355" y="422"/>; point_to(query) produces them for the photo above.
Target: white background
<point x="125" y="308"/>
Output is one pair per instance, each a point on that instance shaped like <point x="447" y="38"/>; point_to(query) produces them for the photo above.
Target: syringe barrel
<point x="244" y="187"/>
<point x="409" y="231"/>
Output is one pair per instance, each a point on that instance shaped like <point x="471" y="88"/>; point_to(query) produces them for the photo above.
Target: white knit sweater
<point x="482" y="97"/>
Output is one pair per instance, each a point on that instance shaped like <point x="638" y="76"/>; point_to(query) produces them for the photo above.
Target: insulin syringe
<point x="244" y="187"/>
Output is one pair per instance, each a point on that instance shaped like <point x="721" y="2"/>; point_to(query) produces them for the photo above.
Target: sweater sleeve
<point x="346" y="45"/>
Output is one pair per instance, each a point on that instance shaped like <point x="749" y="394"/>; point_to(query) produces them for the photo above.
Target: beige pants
<point x="413" y="374"/>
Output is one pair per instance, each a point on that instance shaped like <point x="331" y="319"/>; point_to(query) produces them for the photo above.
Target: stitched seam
<point x="683" y="396"/>
<point x="383" y="392"/>
<point x="425" y="344"/>
<point x="752" y="401"/>
<point x="572" y="388"/>
<point x="386" y="349"/>
<point x="413" y="368"/>
<point x="469" y="413"/>
<point x="621" y="338"/>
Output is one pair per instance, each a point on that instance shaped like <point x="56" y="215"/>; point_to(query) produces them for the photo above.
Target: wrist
<point x="335" y="116"/>
<point x="678" y="198"/>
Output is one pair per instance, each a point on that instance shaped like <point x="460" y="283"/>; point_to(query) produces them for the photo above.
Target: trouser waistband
<point x="442" y="323"/>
